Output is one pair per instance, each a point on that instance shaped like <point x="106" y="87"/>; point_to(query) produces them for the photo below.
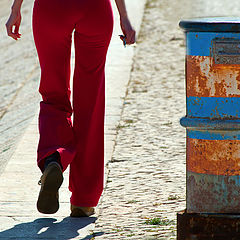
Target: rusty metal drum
<point x="212" y="114"/>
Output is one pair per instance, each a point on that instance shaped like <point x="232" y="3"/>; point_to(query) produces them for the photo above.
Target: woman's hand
<point x="128" y="31"/>
<point x="14" y="20"/>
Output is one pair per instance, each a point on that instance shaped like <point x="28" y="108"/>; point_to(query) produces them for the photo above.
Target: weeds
<point x="158" y="221"/>
<point x="132" y="201"/>
<point x="173" y="197"/>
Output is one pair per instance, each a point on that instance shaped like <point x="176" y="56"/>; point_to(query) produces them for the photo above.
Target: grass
<point x="122" y="126"/>
<point x="132" y="201"/>
<point x="117" y="229"/>
<point x="158" y="221"/>
<point x="128" y="121"/>
<point x="173" y="197"/>
<point x="130" y="235"/>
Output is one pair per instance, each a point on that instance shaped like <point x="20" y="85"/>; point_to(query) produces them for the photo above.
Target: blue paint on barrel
<point x="200" y="43"/>
<point x="213" y="135"/>
<point x="212" y="193"/>
<point x="213" y="107"/>
<point x="213" y="124"/>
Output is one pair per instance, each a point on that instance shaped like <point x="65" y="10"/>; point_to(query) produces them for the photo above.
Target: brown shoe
<point x="81" y="211"/>
<point x="51" y="180"/>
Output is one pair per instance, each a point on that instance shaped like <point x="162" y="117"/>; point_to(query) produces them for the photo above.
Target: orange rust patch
<point x="206" y="79"/>
<point x="218" y="157"/>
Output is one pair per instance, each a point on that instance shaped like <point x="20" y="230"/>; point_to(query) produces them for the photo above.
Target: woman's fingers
<point x="9" y="31"/>
<point x="128" y="31"/>
<point x="128" y="39"/>
<point x="131" y="37"/>
<point x="13" y="21"/>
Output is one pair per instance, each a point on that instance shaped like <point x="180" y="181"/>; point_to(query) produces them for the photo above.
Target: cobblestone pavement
<point x="147" y="172"/>
<point x="146" y="178"/>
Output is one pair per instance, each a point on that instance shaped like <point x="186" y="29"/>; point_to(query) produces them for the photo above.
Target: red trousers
<point x="81" y="142"/>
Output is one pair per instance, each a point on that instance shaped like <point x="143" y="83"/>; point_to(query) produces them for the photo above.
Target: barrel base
<point x="195" y="226"/>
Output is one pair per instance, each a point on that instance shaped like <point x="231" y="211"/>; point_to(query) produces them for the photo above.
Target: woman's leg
<point x="52" y="30"/>
<point x="92" y="36"/>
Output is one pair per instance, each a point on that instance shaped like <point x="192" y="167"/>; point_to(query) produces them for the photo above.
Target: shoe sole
<point x="52" y="179"/>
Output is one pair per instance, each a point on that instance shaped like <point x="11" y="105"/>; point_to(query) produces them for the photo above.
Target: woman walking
<point x="62" y="142"/>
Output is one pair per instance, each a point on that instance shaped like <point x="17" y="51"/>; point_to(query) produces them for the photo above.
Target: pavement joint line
<point x="23" y="120"/>
<point x="18" y="90"/>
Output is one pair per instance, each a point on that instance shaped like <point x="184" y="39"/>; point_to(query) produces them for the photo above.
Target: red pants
<point x="81" y="143"/>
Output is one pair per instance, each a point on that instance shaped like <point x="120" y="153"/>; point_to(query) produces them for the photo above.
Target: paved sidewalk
<point x="19" y="77"/>
<point x="19" y="218"/>
<point x="145" y="145"/>
<point x="146" y="180"/>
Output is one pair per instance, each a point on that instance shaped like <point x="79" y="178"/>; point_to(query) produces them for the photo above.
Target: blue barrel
<point x="212" y="114"/>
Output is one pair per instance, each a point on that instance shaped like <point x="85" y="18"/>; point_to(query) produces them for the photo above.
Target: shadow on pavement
<point x="49" y="228"/>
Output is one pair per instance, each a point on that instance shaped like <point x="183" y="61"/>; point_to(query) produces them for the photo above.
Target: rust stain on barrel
<point x="212" y="193"/>
<point x="207" y="79"/>
<point x="218" y="157"/>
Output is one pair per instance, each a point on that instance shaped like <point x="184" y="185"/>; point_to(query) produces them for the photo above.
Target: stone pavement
<point x="19" y="218"/>
<point x="146" y="180"/>
<point x="145" y="150"/>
